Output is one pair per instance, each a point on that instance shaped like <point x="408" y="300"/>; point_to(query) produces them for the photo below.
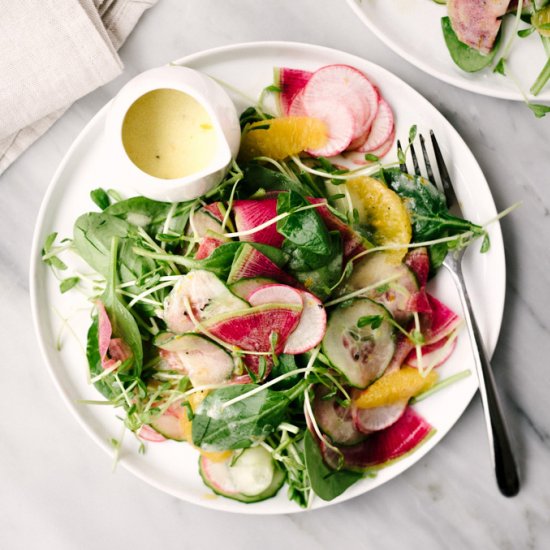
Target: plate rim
<point x="457" y="81"/>
<point x="35" y="263"/>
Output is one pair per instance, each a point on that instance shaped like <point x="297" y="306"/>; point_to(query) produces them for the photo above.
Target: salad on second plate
<point x="281" y="324"/>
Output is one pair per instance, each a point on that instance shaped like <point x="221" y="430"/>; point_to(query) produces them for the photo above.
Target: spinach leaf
<point x="304" y="228"/>
<point x="258" y="177"/>
<point x="285" y="364"/>
<point x="123" y="324"/>
<point x="427" y="207"/>
<point x="325" y="482"/>
<point x="250" y="115"/>
<point x="150" y="215"/>
<point x="100" y="198"/>
<point x="239" y="425"/>
<point x="93" y="234"/>
<point x="467" y="58"/>
<point x="321" y="279"/>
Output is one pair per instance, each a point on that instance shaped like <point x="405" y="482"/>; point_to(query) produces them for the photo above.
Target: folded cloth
<point x="53" y="52"/>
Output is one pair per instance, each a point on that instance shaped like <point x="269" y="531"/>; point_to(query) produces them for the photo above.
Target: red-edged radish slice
<point x="214" y="210"/>
<point x="275" y="294"/>
<point x="382" y="151"/>
<point x="378" y="418"/>
<point x="209" y="243"/>
<point x="290" y="82"/>
<point x="344" y="85"/>
<point x="252" y="213"/>
<point x="340" y="122"/>
<point x="419" y="303"/>
<point x="297" y="106"/>
<point x="310" y="329"/>
<point x="444" y="321"/>
<point x="434" y="355"/>
<point x="146" y="433"/>
<point x="381" y="128"/>
<point x="393" y="442"/>
<point x="418" y="260"/>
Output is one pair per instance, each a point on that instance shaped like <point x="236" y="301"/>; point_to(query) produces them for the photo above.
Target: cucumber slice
<point x="334" y="420"/>
<point x="254" y="476"/>
<point x="205" y="361"/>
<point x="204" y="221"/>
<point x="360" y="354"/>
<point x="394" y="296"/>
<point x="207" y="295"/>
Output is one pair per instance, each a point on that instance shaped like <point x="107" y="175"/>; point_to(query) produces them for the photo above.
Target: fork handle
<point x="501" y="451"/>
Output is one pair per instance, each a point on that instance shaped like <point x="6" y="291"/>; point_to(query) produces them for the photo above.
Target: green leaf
<point x="123" y="324"/>
<point x="304" y="228"/>
<point x="239" y="425"/>
<point x="500" y="67"/>
<point x="538" y="109"/>
<point x="48" y="243"/>
<point x="325" y="482"/>
<point x="526" y="32"/>
<point x="369" y="157"/>
<point x="67" y="284"/>
<point x="412" y="133"/>
<point x="486" y="244"/>
<point x="54" y="261"/>
<point x="374" y="321"/>
<point x="273" y="88"/>
<point x="468" y="59"/>
<point x="100" y="198"/>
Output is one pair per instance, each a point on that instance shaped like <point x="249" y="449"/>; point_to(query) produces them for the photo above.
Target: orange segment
<point x="279" y="138"/>
<point x="383" y="212"/>
<point x="397" y="386"/>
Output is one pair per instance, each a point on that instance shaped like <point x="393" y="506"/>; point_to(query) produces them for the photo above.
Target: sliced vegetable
<point x="290" y="83"/>
<point x="252" y="213"/>
<point x="361" y="354"/>
<point x="311" y="328"/>
<point x="442" y="321"/>
<point x="434" y="355"/>
<point x="174" y="423"/>
<point x="378" y="418"/>
<point x="381" y="129"/>
<point x="209" y="243"/>
<point x="245" y="287"/>
<point x="275" y="294"/>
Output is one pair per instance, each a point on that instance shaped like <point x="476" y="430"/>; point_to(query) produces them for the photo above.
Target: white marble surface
<point x="56" y="486"/>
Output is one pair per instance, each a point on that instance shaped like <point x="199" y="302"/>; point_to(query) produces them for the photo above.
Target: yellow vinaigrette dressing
<point x="168" y="134"/>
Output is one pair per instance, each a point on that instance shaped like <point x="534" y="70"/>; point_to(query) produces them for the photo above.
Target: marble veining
<point x="57" y="489"/>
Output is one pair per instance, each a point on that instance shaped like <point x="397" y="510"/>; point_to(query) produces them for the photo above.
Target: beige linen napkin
<point x="53" y="52"/>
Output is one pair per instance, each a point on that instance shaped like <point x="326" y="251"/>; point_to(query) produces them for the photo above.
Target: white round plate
<point x="412" y="29"/>
<point x="170" y="466"/>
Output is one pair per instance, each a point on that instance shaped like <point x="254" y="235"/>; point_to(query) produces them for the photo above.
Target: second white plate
<point x="412" y="29"/>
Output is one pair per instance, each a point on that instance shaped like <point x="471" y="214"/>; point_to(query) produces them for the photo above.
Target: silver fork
<point x="502" y="457"/>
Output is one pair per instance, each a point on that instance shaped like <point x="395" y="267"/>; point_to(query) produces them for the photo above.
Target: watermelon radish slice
<point x="251" y="329"/>
<point x="290" y="82"/>
<point x="275" y="294"/>
<point x="342" y="85"/>
<point x="334" y="420"/>
<point x="209" y="243"/>
<point x="311" y="328"/>
<point x="146" y="433"/>
<point x="353" y="242"/>
<point x="378" y="418"/>
<point x="443" y="321"/>
<point x="418" y="260"/>
<point x="381" y="129"/>
<point x="245" y="287"/>
<point x="252" y="213"/>
<point x="250" y="263"/>
<point x="419" y="303"/>
<point x="434" y="355"/>
<point x="215" y="210"/>
<point x="389" y="444"/>
<point x="340" y="121"/>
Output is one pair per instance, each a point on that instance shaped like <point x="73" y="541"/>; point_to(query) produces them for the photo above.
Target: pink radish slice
<point x="418" y="260"/>
<point x="378" y="418"/>
<point x="382" y="151"/>
<point x="389" y="444"/>
<point x="290" y="82"/>
<point x="250" y="329"/>
<point x="381" y="128"/>
<point x="343" y="85"/>
<point x="443" y="321"/>
<point x="245" y="287"/>
<point x="434" y="355"/>
<point x="275" y="294"/>
<point x="252" y="213"/>
<point x="340" y="122"/>
<point x="217" y="475"/>
<point x="297" y="106"/>
<point x="208" y="244"/>
<point x="146" y="433"/>
<point x="311" y="328"/>
<point x="105" y="331"/>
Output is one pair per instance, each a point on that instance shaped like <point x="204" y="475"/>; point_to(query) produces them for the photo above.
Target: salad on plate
<point x="280" y="324"/>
